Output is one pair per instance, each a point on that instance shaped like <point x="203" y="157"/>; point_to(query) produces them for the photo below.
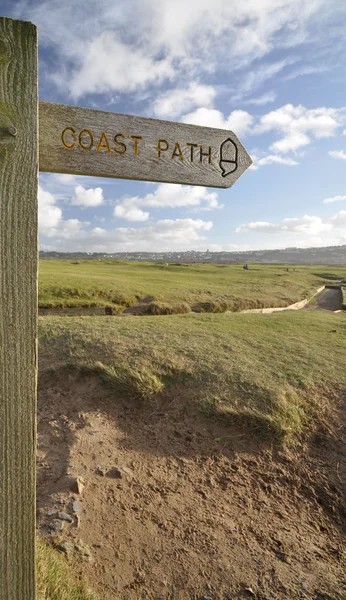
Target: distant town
<point x="330" y="255"/>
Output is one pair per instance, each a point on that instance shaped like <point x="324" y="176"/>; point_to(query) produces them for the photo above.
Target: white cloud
<point x="334" y="199"/>
<point x="73" y="234"/>
<point x="271" y="159"/>
<point x="65" y="178"/>
<point x="173" y="103"/>
<point x="299" y="124"/>
<point x="339" y="220"/>
<point x="275" y="158"/>
<point x="128" y="70"/>
<point x="239" y="121"/>
<point x="337" y="154"/>
<point x="50" y="218"/>
<point x="316" y="230"/>
<point x="309" y="225"/>
<point x="69" y="229"/>
<point x="266" y="98"/>
<point x="106" y="46"/>
<point x="291" y="142"/>
<point x="166" y="196"/>
<point x="164" y="235"/>
<point x="49" y="215"/>
<point x="129" y="212"/>
<point x="87" y="198"/>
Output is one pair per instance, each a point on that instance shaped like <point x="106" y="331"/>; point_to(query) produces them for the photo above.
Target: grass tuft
<point x="211" y="307"/>
<point x="54" y="577"/>
<point x="136" y="384"/>
<point x="160" y="308"/>
<point x="280" y="415"/>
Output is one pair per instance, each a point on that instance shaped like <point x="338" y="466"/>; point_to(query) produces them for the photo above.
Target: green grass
<point x="65" y="283"/>
<point x="55" y="580"/>
<point x="275" y="373"/>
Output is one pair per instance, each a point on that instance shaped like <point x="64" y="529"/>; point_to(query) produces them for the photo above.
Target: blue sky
<point x="272" y="71"/>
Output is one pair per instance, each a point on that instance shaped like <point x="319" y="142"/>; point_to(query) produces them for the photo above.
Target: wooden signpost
<point x="83" y="141"/>
<point x="76" y="141"/>
<point x="18" y="308"/>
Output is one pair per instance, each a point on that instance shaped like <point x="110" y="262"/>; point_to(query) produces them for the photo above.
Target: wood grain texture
<point x="18" y="308"/>
<point x="83" y="141"/>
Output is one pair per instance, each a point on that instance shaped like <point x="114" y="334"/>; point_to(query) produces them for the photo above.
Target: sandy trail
<point x="201" y="510"/>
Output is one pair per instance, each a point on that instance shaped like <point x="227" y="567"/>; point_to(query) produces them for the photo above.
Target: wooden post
<point x="18" y="306"/>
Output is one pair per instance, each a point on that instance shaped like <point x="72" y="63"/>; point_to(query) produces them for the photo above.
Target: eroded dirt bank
<point x="190" y="508"/>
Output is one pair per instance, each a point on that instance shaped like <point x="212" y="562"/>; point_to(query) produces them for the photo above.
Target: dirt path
<point x="178" y="507"/>
<point x="330" y="299"/>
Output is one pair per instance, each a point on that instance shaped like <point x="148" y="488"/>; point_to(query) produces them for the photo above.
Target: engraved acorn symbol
<point x="228" y="157"/>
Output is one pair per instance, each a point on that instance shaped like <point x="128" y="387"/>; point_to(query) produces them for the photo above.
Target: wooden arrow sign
<point x="82" y="141"/>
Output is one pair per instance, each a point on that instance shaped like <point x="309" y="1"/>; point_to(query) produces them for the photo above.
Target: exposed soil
<point x="199" y="510"/>
<point x="92" y="311"/>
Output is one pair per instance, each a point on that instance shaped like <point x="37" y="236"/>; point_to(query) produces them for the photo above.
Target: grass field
<point x="200" y="287"/>
<point x="275" y="376"/>
<point x="272" y="372"/>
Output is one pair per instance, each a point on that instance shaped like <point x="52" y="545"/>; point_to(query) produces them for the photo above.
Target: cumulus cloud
<point x="334" y="199"/>
<point x="309" y="225"/>
<point x="49" y="215"/>
<point x="298" y="125"/>
<point x="166" y="196"/>
<point x="51" y="221"/>
<point x="87" y="198"/>
<point x="128" y="211"/>
<point x="238" y="121"/>
<point x="337" y="154"/>
<point x="70" y="229"/>
<point x="173" y="103"/>
<point x="166" y="234"/>
<point x="339" y="220"/>
<point x="108" y="46"/>
<point x="129" y="69"/>
<point x="74" y="234"/>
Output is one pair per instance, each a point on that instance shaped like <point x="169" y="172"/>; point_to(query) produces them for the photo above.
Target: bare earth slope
<point x="199" y="510"/>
